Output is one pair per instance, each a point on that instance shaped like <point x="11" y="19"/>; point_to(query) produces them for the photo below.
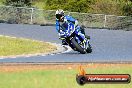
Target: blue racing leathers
<point x="61" y="26"/>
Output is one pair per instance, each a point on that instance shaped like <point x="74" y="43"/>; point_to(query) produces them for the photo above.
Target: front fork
<point x="86" y="44"/>
<point x="83" y="44"/>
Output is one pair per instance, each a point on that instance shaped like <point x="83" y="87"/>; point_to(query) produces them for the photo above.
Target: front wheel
<point x="77" y="46"/>
<point x="89" y="49"/>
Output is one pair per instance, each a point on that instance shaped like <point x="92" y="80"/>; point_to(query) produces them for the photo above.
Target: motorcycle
<point x="74" y="41"/>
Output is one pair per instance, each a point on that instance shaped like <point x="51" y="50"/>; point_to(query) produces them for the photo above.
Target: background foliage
<point x="17" y="3"/>
<point x="113" y="7"/>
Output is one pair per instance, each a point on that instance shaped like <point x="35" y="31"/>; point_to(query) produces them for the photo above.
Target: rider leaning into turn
<point x="62" y="23"/>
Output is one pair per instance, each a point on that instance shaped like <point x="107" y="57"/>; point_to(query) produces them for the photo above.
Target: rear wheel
<point x="78" y="47"/>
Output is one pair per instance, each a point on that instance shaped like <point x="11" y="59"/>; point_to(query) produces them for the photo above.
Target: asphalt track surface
<point x="108" y="45"/>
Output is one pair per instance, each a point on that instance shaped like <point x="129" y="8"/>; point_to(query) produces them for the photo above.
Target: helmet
<point x="59" y="13"/>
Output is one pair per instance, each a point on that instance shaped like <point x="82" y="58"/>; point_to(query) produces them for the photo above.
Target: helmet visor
<point x="58" y="16"/>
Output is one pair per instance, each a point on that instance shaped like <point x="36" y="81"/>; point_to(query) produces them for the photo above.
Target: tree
<point x="70" y="5"/>
<point x="128" y="9"/>
<point x="18" y="3"/>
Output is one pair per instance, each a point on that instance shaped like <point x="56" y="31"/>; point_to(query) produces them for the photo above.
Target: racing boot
<point x="63" y="40"/>
<point x="64" y="43"/>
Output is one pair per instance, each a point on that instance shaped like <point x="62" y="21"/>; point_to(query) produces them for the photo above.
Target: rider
<point x="62" y="23"/>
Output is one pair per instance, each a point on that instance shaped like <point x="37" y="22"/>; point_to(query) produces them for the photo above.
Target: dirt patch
<point x="30" y="67"/>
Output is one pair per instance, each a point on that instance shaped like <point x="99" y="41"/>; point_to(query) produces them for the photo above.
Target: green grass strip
<point x="57" y="78"/>
<point x="17" y="46"/>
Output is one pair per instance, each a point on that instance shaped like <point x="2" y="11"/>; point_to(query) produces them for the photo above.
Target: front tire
<point x="89" y="49"/>
<point x="77" y="46"/>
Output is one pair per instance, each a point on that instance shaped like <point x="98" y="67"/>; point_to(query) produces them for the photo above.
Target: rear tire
<point x="77" y="46"/>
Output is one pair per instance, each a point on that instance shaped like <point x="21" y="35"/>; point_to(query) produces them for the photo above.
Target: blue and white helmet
<point x="59" y="13"/>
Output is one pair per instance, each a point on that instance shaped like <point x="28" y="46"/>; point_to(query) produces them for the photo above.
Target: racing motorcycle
<point x="74" y="41"/>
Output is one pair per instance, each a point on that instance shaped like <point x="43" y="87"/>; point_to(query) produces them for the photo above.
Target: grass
<point x="59" y="78"/>
<point x="40" y="4"/>
<point x="15" y="46"/>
